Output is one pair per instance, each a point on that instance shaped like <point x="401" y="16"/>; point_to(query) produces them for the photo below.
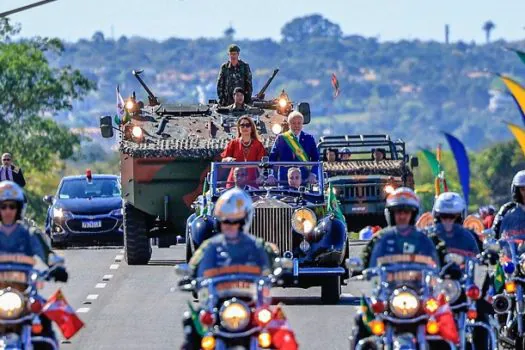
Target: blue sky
<point x="160" y="19"/>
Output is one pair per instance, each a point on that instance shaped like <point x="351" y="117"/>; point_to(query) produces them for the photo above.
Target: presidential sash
<point x="295" y="146"/>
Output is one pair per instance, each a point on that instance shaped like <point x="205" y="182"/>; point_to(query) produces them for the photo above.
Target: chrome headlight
<point x="234" y="315"/>
<point x="522" y="264"/>
<point x="451" y="289"/>
<point x="404" y="303"/>
<point x="11" y="304"/>
<point x="304" y="220"/>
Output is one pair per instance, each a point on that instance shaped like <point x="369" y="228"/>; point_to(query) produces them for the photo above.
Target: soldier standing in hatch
<point x="234" y="73"/>
<point x="238" y="98"/>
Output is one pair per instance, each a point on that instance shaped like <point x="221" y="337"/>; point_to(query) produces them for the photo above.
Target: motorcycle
<point x="462" y="293"/>
<point x="20" y="303"/>
<point x="235" y="312"/>
<point x="509" y="305"/>
<point x="404" y="314"/>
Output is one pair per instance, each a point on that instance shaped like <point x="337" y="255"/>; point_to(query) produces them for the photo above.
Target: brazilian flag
<point x="201" y="330"/>
<point x="332" y="205"/>
<point x="204" y="203"/>
<point x="499" y="279"/>
<point x="366" y="313"/>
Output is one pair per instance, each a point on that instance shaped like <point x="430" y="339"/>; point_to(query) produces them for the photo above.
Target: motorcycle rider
<point x="16" y="238"/>
<point x="232" y="249"/>
<point x="449" y="212"/>
<point x="398" y="241"/>
<point x="516" y="206"/>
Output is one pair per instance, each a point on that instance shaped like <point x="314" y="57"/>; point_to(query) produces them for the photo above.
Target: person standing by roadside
<point x="10" y="172"/>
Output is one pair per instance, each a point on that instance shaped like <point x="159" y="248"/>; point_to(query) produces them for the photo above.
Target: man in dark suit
<point x="295" y="145"/>
<point x="10" y="172"/>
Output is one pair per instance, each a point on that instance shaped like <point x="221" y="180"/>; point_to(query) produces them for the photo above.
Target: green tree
<point x="313" y="26"/>
<point x="488" y="27"/>
<point x="32" y="93"/>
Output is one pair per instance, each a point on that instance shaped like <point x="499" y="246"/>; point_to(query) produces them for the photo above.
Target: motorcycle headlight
<point x="234" y="315"/>
<point x="404" y="303"/>
<point x="451" y="289"/>
<point x="11" y="304"/>
<point x="304" y="221"/>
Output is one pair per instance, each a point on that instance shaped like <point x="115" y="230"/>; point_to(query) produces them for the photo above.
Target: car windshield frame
<point x="61" y="195"/>
<point x="216" y="190"/>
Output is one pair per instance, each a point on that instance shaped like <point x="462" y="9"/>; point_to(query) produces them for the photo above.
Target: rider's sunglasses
<point x="448" y="216"/>
<point x="8" y="206"/>
<point x="231" y="222"/>
<point x="245" y="125"/>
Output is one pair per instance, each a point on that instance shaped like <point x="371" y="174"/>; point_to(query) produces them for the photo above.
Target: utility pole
<point x="23" y="8"/>
<point x="447" y="33"/>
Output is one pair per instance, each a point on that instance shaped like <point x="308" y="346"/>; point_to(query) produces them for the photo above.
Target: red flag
<point x="57" y="309"/>
<point x="445" y="319"/>
<point x="283" y="337"/>
<point x="335" y="84"/>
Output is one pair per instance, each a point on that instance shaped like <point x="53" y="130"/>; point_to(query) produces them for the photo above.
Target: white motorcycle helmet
<point x="10" y="191"/>
<point x="401" y="198"/>
<point x="450" y="203"/>
<point x="517" y="182"/>
<point x="235" y="206"/>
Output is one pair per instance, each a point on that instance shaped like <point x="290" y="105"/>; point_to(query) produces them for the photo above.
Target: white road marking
<point x="119" y="257"/>
<point x="114" y="266"/>
<point x="83" y="310"/>
<point x="107" y="277"/>
<point x="92" y="297"/>
<point x="100" y="285"/>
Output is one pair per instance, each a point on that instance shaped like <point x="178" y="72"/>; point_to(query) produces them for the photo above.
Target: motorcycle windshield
<point x="412" y="275"/>
<point x="235" y="285"/>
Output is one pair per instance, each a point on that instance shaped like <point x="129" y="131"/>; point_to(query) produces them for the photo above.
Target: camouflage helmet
<point x="234" y="48"/>
<point x="401" y="198"/>
<point x="235" y="206"/>
<point x="449" y="203"/>
<point x="517" y="182"/>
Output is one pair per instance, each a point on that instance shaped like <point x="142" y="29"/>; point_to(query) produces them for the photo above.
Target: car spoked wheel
<point x="136" y="242"/>
<point x="331" y="290"/>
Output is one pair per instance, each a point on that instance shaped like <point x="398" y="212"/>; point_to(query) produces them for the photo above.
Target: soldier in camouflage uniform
<point x="234" y="73"/>
<point x="238" y="98"/>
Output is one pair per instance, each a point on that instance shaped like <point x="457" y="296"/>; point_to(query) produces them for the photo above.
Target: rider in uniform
<point x="515" y="208"/>
<point x="17" y="240"/>
<point x="399" y="241"/>
<point x="233" y="249"/>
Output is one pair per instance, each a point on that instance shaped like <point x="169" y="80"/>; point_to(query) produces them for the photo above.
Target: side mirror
<point x="414" y="162"/>
<point x="182" y="270"/>
<point x="304" y="109"/>
<point x="106" y="127"/>
<point x="48" y="199"/>
<point x="355" y="265"/>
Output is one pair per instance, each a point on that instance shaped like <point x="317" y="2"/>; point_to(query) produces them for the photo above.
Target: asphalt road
<point x="139" y="307"/>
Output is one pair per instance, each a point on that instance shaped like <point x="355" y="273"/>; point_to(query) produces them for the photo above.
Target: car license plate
<point x="92" y="224"/>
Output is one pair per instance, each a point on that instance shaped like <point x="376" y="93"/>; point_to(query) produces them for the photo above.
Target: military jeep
<point x="361" y="183"/>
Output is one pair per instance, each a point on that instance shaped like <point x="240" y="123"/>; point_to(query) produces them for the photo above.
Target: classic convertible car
<point x="293" y="214"/>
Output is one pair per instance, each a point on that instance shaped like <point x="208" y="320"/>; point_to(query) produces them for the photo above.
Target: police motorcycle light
<point x="378" y="306"/>
<point x="11" y="304"/>
<point x="206" y="318"/>
<point x="234" y="315"/>
<point x="501" y="304"/>
<point x="473" y="292"/>
<point x="522" y="264"/>
<point x="265" y="340"/>
<point x="208" y="342"/>
<point x="36" y="326"/>
<point x="431" y="305"/>
<point x="263" y="316"/>
<point x="510" y="287"/>
<point x="304" y="221"/>
<point x="432" y="326"/>
<point x="509" y="267"/>
<point x="404" y="303"/>
<point x="277" y="129"/>
<point x="89" y="176"/>
<point x="377" y="327"/>
<point x="35" y="305"/>
<point x="472" y="314"/>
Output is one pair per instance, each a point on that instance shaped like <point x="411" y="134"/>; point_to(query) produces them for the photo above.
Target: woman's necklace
<point x="246" y="144"/>
<point x="246" y="148"/>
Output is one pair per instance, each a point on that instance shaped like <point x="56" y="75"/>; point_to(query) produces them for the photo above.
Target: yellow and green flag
<point x="499" y="279"/>
<point x="332" y="205"/>
<point x="295" y="146"/>
<point x="366" y="313"/>
<point x="519" y="134"/>
<point x="517" y="92"/>
<point x="520" y="54"/>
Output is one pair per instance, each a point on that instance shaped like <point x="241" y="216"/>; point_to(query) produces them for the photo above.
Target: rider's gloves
<point x="59" y="274"/>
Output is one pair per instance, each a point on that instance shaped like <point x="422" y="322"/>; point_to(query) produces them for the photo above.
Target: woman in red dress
<point x="247" y="147"/>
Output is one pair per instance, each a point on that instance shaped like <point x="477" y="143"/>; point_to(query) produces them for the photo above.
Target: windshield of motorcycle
<point x="14" y="270"/>
<point x="413" y="275"/>
<point x="278" y="176"/>
<point x="242" y="287"/>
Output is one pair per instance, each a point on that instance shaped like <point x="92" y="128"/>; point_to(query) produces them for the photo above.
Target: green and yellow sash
<point x="295" y="146"/>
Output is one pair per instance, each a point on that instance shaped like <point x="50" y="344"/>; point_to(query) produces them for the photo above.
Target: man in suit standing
<point x="10" y="172"/>
<point x="295" y="145"/>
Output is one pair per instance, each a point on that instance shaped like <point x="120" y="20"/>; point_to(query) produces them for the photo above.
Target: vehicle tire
<point x="57" y="245"/>
<point x="136" y="242"/>
<point x="331" y="290"/>
<point x="164" y="242"/>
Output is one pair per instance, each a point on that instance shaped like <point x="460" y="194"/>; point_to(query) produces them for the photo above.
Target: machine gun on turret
<point x="260" y="94"/>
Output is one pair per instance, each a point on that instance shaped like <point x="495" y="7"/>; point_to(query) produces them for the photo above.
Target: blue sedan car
<point x="85" y="209"/>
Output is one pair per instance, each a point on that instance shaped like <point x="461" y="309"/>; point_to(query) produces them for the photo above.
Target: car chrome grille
<point x="360" y="191"/>
<point x="274" y="225"/>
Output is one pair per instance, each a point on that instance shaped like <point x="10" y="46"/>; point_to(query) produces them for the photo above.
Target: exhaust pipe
<point x="501" y="304"/>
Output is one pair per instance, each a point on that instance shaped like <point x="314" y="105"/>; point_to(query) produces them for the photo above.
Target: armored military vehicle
<point x="165" y="153"/>
<point x="361" y="182"/>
